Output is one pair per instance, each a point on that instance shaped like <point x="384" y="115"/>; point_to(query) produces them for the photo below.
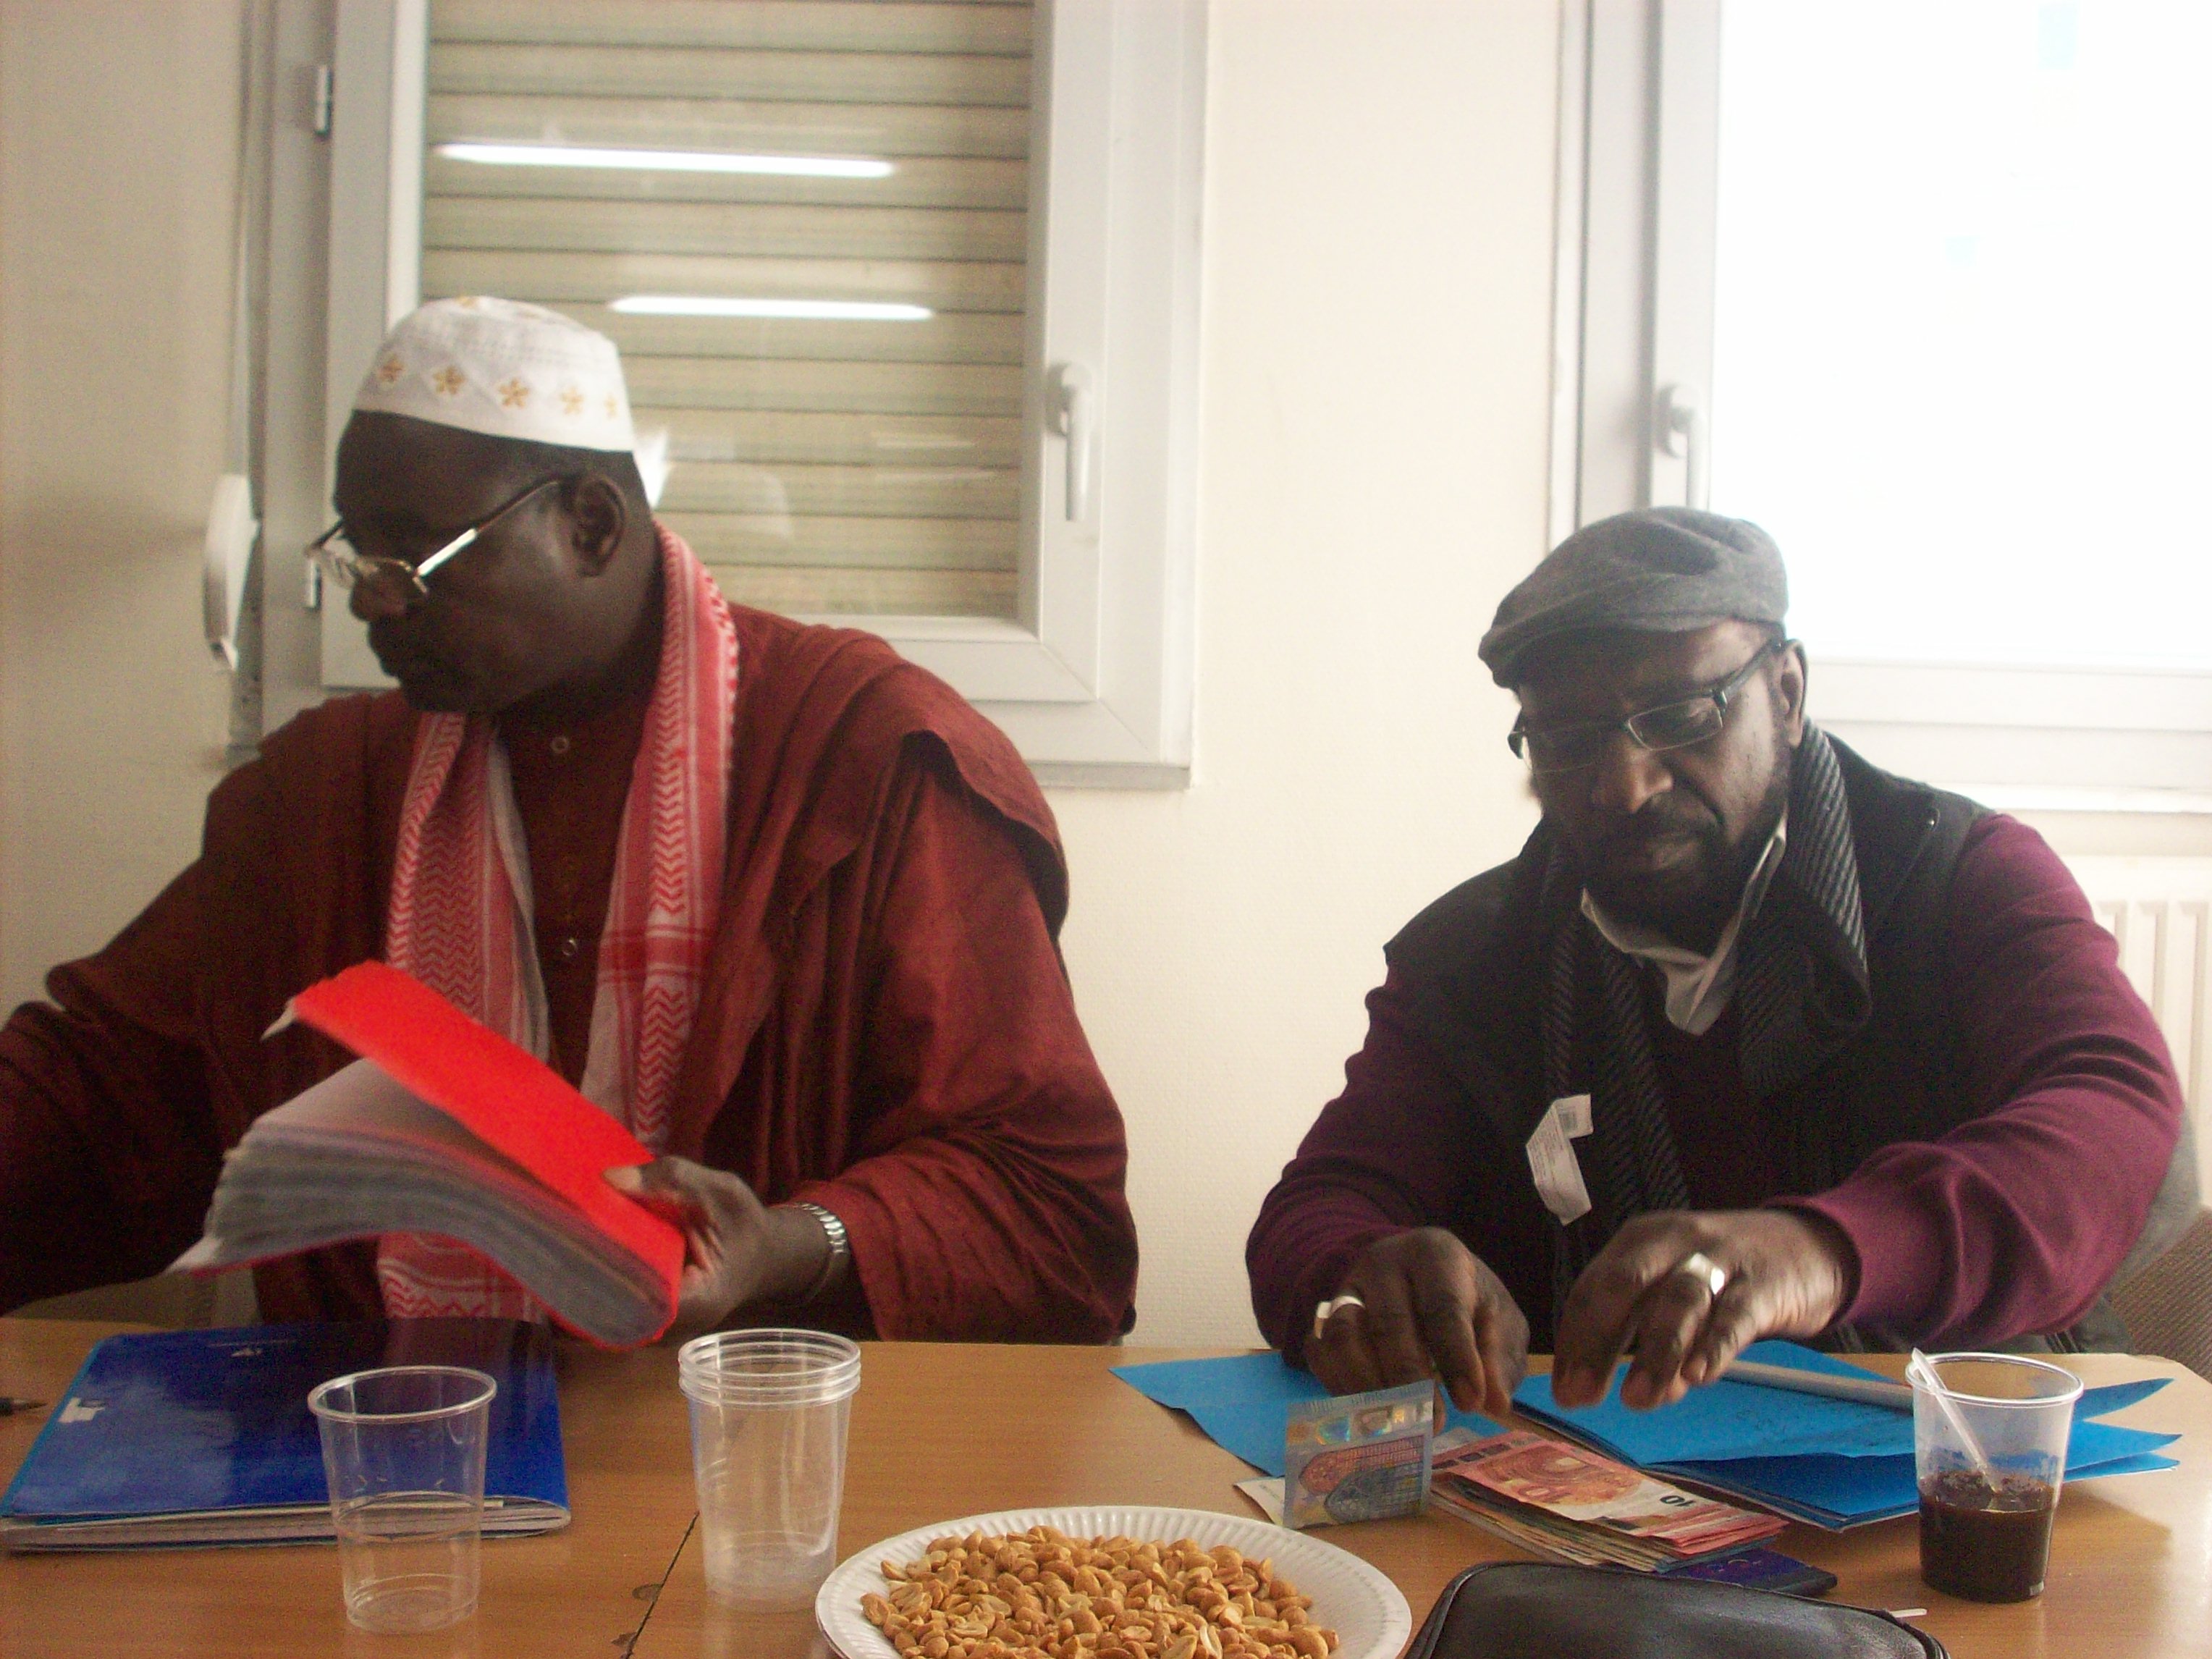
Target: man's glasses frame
<point x="1677" y="724"/>
<point x="399" y="579"/>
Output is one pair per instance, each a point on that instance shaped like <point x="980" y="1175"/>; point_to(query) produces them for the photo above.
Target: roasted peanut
<point x="1041" y="1594"/>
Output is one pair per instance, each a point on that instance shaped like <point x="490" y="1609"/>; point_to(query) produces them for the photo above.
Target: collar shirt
<point x="1697" y="987"/>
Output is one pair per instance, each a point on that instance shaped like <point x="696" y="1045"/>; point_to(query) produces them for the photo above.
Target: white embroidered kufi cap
<point x="504" y="368"/>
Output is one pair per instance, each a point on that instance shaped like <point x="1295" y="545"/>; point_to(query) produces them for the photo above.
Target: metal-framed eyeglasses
<point x="406" y="581"/>
<point x="1675" y="725"/>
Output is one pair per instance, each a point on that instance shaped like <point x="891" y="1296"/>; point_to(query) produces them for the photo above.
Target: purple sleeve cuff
<point x="1324" y="1273"/>
<point x="1385" y="1156"/>
<point x="1895" y="1249"/>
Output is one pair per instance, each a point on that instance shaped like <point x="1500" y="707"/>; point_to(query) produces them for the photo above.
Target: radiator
<point x="2160" y="910"/>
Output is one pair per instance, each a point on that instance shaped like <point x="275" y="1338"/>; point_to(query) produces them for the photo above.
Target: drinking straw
<point x="1921" y="1372"/>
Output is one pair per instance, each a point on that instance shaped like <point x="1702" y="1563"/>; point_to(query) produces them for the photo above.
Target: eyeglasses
<point x="405" y="581"/>
<point x="1669" y="725"/>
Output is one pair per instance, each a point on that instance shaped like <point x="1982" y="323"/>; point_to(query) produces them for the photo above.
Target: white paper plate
<point x="1370" y="1617"/>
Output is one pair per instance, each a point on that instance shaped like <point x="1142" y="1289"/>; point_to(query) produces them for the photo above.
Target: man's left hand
<point x="737" y="1250"/>
<point x="1787" y="1274"/>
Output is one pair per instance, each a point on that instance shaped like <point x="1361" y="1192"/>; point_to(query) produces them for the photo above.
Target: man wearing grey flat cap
<point x="1752" y="1039"/>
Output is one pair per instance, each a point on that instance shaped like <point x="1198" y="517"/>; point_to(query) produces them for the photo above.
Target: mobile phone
<point x="1766" y="1569"/>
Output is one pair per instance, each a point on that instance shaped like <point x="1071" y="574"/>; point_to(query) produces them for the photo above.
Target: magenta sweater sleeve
<point x="2013" y="1223"/>
<point x="1401" y="1147"/>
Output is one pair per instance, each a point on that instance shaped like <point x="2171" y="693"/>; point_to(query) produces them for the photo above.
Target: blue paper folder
<point x="1833" y="1462"/>
<point x="1242" y="1401"/>
<point x="205" y="1437"/>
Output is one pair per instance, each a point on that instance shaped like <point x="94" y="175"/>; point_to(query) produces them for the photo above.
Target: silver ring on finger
<point x="1706" y="1271"/>
<point x="1327" y="1310"/>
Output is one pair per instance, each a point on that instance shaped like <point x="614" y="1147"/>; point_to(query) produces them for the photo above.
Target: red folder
<point x="507" y="1098"/>
<point x="444" y="1128"/>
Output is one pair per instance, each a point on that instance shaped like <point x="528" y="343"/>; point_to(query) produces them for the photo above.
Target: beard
<point x="1673" y="865"/>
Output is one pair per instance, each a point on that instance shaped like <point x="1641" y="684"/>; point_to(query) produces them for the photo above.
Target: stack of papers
<point x="1831" y="1462"/>
<point x="446" y="1128"/>
<point x="1572" y="1505"/>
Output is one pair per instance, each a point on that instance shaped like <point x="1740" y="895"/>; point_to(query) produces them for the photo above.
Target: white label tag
<point x="1552" y="1159"/>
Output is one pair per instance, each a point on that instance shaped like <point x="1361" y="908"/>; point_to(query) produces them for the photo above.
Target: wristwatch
<point x="841" y="1247"/>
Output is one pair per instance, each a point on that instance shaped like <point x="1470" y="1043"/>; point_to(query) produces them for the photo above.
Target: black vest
<point x="1854" y="1074"/>
<point x="1846" y="1086"/>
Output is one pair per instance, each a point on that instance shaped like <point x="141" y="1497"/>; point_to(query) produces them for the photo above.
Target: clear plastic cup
<point x="404" y="1450"/>
<point x="769" y="1411"/>
<point x="1985" y="1521"/>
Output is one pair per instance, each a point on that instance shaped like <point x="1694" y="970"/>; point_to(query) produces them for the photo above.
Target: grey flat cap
<point x="1662" y="570"/>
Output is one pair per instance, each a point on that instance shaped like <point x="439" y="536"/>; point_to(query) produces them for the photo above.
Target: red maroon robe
<point x="887" y="1030"/>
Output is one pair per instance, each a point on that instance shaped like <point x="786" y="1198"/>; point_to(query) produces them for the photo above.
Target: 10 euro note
<point x="1581" y="1486"/>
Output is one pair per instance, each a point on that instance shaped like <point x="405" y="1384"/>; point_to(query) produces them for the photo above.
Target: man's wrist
<point x="821" y="1260"/>
<point x="1835" y="1246"/>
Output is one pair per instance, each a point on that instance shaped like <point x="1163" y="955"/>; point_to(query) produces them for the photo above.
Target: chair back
<point x="2168" y="1305"/>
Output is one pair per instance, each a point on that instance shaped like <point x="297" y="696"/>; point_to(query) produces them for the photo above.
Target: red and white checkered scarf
<point x="459" y="917"/>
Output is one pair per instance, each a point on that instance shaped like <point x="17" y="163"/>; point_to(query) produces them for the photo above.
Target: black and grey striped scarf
<point x="1801" y="991"/>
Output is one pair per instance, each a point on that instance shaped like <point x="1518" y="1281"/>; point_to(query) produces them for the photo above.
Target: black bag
<point x="1535" y="1610"/>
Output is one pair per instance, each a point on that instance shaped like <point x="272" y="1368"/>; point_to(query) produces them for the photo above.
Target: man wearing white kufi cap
<point x="781" y="901"/>
<point x="505" y="369"/>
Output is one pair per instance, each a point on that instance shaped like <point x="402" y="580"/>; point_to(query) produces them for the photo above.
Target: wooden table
<point x="628" y="1459"/>
<point x="945" y="1430"/>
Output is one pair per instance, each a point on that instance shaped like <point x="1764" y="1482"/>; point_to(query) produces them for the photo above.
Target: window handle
<point x="1073" y="416"/>
<point x="1682" y="432"/>
<point x="232" y="531"/>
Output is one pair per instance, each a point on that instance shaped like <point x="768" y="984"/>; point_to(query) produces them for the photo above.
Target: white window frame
<point x="1639" y="168"/>
<point x="1094" y="681"/>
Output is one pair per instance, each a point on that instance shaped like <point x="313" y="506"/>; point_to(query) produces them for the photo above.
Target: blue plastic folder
<point x="1833" y="1462"/>
<point x="1244" y="1402"/>
<point x="205" y="1437"/>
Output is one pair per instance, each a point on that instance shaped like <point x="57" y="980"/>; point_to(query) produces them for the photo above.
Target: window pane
<point x="805" y="224"/>
<point x="1961" y="338"/>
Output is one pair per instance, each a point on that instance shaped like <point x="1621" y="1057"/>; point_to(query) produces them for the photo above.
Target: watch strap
<point x="841" y="1245"/>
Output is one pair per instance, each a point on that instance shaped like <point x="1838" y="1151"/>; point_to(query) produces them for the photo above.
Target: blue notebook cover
<point x="205" y="1438"/>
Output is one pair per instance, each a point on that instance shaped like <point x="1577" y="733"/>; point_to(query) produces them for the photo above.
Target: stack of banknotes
<point x="1571" y="1504"/>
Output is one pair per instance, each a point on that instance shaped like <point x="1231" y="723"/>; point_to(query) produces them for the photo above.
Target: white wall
<point x="1377" y="313"/>
<point x="1378" y="328"/>
<point x="1377" y="322"/>
<point x="1377" y="341"/>
<point x="118" y="150"/>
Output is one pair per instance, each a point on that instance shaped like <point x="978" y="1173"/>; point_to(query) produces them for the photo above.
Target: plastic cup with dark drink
<point x="1991" y="1458"/>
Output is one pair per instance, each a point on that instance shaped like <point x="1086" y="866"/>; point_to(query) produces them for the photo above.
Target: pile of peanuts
<point x="1042" y="1595"/>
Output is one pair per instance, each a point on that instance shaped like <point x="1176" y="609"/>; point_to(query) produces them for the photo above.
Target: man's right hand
<point x="1427" y="1308"/>
<point x="737" y="1250"/>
